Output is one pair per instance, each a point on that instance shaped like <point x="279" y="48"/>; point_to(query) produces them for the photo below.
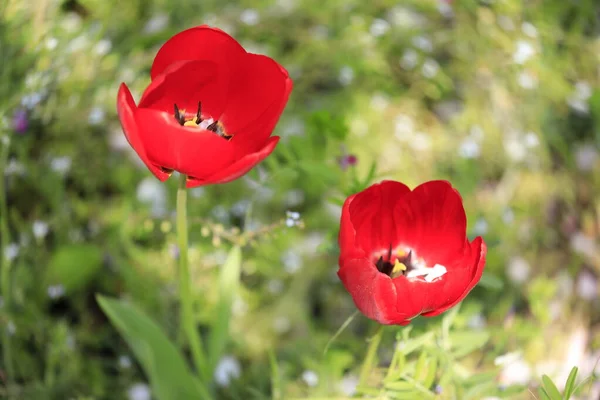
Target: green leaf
<point x="74" y="266"/>
<point x="570" y="385"/>
<point x="550" y="388"/>
<point x="164" y="366"/>
<point x="465" y="342"/>
<point x="229" y="282"/>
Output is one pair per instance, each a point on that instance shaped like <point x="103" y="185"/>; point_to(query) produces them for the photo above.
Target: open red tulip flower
<point x="405" y="253"/>
<point x="209" y="110"/>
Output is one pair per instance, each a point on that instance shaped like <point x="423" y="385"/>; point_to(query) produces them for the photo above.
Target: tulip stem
<point x="5" y="265"/>
<point x="370" y="358"/>
<point x="188" y="320"/>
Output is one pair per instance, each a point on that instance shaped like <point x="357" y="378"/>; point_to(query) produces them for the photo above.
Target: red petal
<point x="189" y="150"/>
<point x="260" y="84"/>
<point x="434" y="221"/>
<point x="373" y="292"/>
<point x="254" y="135"/>
<point x="371" y="214"/>
<point x="199" y="43"/>
<point x="126" y="109"/>
<point x="185" y="83"/>
<point x="238" y="168"/>
<point x="347" y="235"/>
<point x="475" y="258"/>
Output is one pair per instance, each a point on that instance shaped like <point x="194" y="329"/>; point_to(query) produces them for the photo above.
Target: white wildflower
<point x="518" y="270"/>
<point x="523" y="52"/>
<point x="156" y="24"/>
<point x="379" y="27"/>
<point x="310" y="378"/>
<point x="11" y="251"/>
<point x="96" y="116"/>
<point x="139" y="391"/>
<point x="346" y="75"/>
<point x="227" y="369"/>
<point x="250" y="17"/>
<point x="430" y="68"/>
<point x="348" y="385"/>
<point x="40" y="229"/>
<point x="61" y="165"/>
<point x="292" y="261"/>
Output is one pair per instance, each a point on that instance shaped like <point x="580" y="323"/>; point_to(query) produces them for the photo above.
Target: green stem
<point x="371" y="357"/>
<point x="5" y="267"/>
<point x="188" y="323"/>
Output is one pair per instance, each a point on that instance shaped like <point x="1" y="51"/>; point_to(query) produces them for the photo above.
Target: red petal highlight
<point x="261" y="84"/>
<point x="199" y="43"/>
<point x="434" y="215"/>
<point x="371" y="214"/>
<point x="476" y="264"/>
<point x="185" y="83"/>
<point x="126" y="110"/>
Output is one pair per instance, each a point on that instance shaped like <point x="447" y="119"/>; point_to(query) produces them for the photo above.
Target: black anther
<point x="199" y="113"/>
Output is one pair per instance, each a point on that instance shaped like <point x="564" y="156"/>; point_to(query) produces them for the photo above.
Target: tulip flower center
<point x="405" y="262"/>
<point x="209" y="124"/>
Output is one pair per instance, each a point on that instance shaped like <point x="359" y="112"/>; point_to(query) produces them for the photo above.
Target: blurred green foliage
<point x="501" y="97"/>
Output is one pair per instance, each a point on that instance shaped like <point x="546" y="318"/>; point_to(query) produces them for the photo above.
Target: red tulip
<point x="209" y="111"/>
<point x="405" y="253"/>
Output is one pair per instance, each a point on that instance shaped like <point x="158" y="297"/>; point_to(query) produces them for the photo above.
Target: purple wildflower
<point x="347" y="160"/>
<point x="20" y="122"/>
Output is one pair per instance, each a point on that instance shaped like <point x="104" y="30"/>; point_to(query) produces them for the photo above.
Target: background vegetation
<point x="501" y="97"/>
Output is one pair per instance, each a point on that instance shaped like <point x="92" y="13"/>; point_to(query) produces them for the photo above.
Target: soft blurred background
<point x="501" y="97"/>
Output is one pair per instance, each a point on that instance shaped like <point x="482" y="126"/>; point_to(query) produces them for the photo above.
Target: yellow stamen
<point x="398" y="266"/>
<point x="191" y="122"/>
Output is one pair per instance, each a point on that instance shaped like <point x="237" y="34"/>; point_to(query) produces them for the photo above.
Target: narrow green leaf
<point x="550" y="388"/>
<point x="582" y="384"/>
<point x="339" y="331"/>
<point x="431" y="372"/>
<point x="164" y="366"/>
<point x="570" y="385"/>
<point x="401" y="386"/>
<point x="543" y="394"/>
<point x="448" y="320"/>
<point x="229" y="281"/>
<point x="480" y="391"/>
<point x="275" y="377"/>
<point x="420" y="368"/>
<point x="411" y="345"/>
<point x="465" y="342"/>
<point x="370" y="174"/>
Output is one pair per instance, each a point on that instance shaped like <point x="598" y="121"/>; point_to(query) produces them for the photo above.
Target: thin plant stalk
<point x="5" y="267"/>
<point x="188" y="320"/>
